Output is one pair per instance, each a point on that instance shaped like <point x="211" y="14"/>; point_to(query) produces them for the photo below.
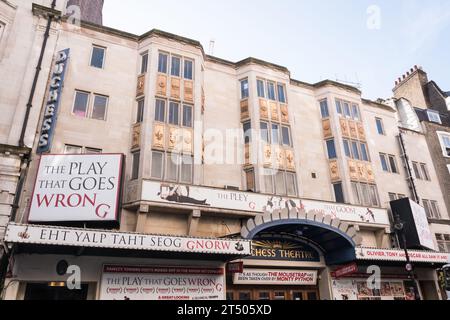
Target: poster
<point x="276" y="277"/>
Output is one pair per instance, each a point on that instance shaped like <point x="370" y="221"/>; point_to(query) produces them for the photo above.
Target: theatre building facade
<point x="162" y="173"/>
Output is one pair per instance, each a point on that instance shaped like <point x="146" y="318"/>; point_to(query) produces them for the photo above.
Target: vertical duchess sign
<point x="74" y="188"/>
<point x="53" y="102"/>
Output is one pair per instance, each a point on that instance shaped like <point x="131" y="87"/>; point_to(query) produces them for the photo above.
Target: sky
<point x="368" y="42"/>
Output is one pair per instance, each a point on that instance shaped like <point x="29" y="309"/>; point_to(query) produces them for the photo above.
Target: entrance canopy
<point x="335" y="239"/>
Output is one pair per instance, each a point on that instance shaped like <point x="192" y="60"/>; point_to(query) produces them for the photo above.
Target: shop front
<point x="57" y="263"/>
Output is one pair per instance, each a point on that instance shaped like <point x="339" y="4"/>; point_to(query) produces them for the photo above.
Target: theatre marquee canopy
<point x="87" y="238"/>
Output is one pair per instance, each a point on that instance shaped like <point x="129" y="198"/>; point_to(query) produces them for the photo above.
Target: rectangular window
<point x="261" y="88"/>
<point x="355" y="112"/>
<point x="247" y="132"/>
<point x="144" y="63"/>
<point x="392" y="197"/>
<point x="291" y="183"/>
<point x="443" y="241"/>
<point x="427" y="206"/>
<point x="265" y="132"/>
<point x="271" y="91"/>
<point x="324" y="109"/>
<point x="275" y="134"/>
<point x="435" y="209"/>
<point x="347" y="110"/>
<point x="93" y="151"/>
<point x="136" y="163"/>
<point x="187" y="116"/>
<point x="187" y="169"/>
<point x="99" y="108"/>
<point x="80" y="106"/>
<point x="280" y="183"/>
<point x="355" y="151"/>
<point x="331" y="147"/>
<point x="140" y="111"/>
<point x="162" y="62"/>
<point x="338" y="107"/>
<point x="380" y="126"/>
<point x="188" y="69"/>
<point x="69" y="149"/>
<point x="356" y="193"/>
<point x="364" y="152"/>
<point x="393" y="164"/>
<point x="365" y="194"/>
<point x="286" y="136"/>
<point x="98" y="57"/>
<point x="250" y="180"/>
<point x="175" y="69"/>
<point x="434" y="116"/>
<point x="417" y="171"/>
<point x="348" y="152"/>
<point x="160" y="111"/>
<point x="268" y="184"/>
<point x="425" y="174"/>
<point x="374" y="196"/>
<point x="281" y="93"/>
<point x="172" y="167"/>
<point x="174" y="114"/>
<point x="339" y="193"/>
<point x="384" y="163"/>
<point x="157" y="165"/>
<point x="244" y="89"/>
<point x="445" y="143"/>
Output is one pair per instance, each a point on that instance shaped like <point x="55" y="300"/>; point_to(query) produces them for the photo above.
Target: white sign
<point x="276" y="277"/>
<point x="243" y="201"/>
<point x="162" y="283"/>
<point x="400" y="256"/>
<point x="77" y="188"/>
<point x="422" y="226"/>
<point x="31" y="234"/>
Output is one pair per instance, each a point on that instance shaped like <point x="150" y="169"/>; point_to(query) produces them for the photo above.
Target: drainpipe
<point x="36" y="77"/>
<point x="408" y="169"/>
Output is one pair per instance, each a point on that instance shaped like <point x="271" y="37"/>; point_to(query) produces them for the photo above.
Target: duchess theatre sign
<point x="77" y="188"/>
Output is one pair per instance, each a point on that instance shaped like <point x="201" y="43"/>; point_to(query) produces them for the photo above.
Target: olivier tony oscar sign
<point x="77" y="188"/>
<point x="53" y="102"/>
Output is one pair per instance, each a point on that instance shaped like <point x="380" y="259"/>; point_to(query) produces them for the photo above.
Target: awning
<point x="51" y="236"/>
<point x="370" y="254"/>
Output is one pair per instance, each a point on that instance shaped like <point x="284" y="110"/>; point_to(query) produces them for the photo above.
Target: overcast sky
<point x="361" y="41"/>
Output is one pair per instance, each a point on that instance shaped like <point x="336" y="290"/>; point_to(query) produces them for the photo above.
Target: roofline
<point x="379" y="105"/>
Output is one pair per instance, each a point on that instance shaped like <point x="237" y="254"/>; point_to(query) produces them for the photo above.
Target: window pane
<point x="187" y="116"/>
<point x="365" y="194"/>
<point x="392" y="196"/>
<point x="188" y="69"/>
<point x="275" y="134"/>
<point x="250" y="180"/>
<point x="425" y="173"/>
<point x="140" y="111"/>
<point x="434" y="117"/>
<point x="291" y="183"/>
<point x="426" y="205"/>
<point x="160" y="110"/>
<point x="356" y="194"/>
<point x="268" y="184"/>
<point x="172" y="165"/>
<point x="374" y="196"/>
<point x="73" y="149"/>
<point x="393" y="164"/>
<point x="244" y="89"/>
<point x="261" y="89"/>
<point x="81" y="104"/>
<point x="162" y="63"/>
<point x="280" y="184"/>
<point x="364" y="153"/>
<point x="384" y="164"/>
<point x="176" y="67"/>
<point x="186" y="169"/>
<point x="347" y="149"/>
<point x="174" y="111"/>
<point x="331" y="149"/>
<point x="281" y="93"/>
<point x="247" y="132"/>
<point x="355" y="150"/>
<point x="416" y="170"/>
<point x="136" y="164"/>
<point x="286" y="133"/>
<point x="339" y="193"/>
<point x="324" y="109"/>
<point x="436" y="211"/>
<point x="99" y="109"/>
<point x="144" y="63"/>
<point x="380" y="127"/>
<point x="355" y="112"/>
<point x="98" y="56"/>
<point x="347" y="110"/>
<point x="338" y="107"/>
<point x="93" y="151"/>
<point x="157" y="165"/>
<point x="271" y="90"/>
<point x="265" y="132"/>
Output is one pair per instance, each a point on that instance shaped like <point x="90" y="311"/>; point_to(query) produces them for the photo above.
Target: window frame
<point x="289" y="136"/>
<point x="443" y="136"/>
<point x="324" y="107"/>
<point x="88" y="102"/>
<point x="331" y="155"/>
<point x="164" y="108"/>
<point x="267" y="130"/>
<point x="380" y="126"/>
<point x="247" y="132"/>
<point x="192" y="69"/>
<point x="180" y="63"/>
<point x="167" y="55"/>
<point x="93" y="106"/>
<point x="417" y="171"/>
<point x="140" y="109"/>
<point x="183" y="120"/>
<point x="271" y="84"/>
<point x="393" y="161"/>
<point x="162" y="154"/>
<point x="67" y="146"/>
<point x="425" y="172"/>
<point x="136" y="161"/>
<point x="144" y="62"/>
<point x="341" y="191"/>
<point x="283" y="93"/>
<point x="245" y="92"/>
<point x="437" y="115"/>
<point x="170" y="113"/>
<point x="258" y="88"/>
<point x="95" y="46"/>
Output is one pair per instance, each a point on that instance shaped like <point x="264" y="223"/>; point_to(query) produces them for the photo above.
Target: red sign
<point x="235" y="267"/>
<point x="345" y="271"/>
